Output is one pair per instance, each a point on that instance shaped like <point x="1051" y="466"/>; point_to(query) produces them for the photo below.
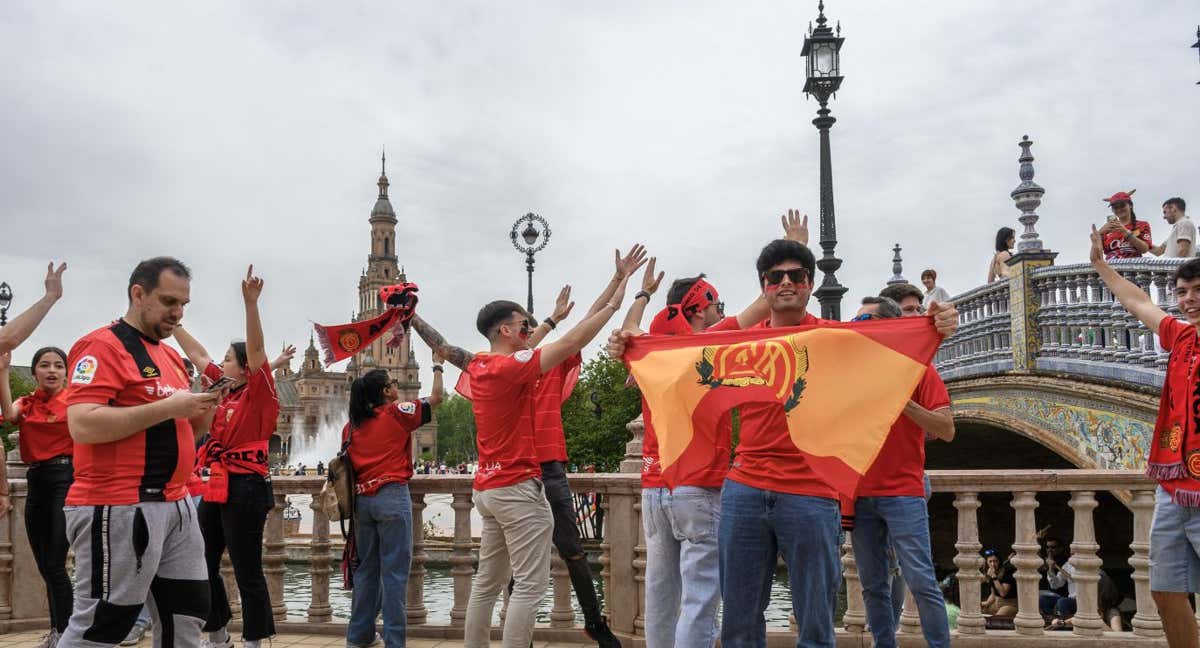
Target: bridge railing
<point x="623" y="557"/>
<point x="983" y="342"/>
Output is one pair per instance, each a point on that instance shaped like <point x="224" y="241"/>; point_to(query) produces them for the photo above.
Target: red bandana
<point x="340" y="341"/>
<point x="673" y="320"/>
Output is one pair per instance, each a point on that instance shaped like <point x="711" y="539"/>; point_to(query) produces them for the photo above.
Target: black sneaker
<point x="599" y="632"/>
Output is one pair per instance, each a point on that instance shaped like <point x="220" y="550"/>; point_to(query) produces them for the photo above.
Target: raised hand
<point x="1097" y="253"/>
<point x="251" y="286"/>
<point x="562" y="305"/>
<point x="795" y="226"/>
<point x="649" y="280"/>
<point x="54" y="288"/>
<point x="285" y="357"/>
<point x="628" y="264"/>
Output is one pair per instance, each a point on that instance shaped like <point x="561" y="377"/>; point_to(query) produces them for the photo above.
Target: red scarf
<point x="673" y="320"/>
<point x="1175" y="450"/>
<point x="340" y="341"/>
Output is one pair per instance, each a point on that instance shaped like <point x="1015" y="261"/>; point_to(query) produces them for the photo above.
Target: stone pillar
<point x="273" y="557"/>
<point x="1087" y="621"/>
<point x="620" y="535"/>
<point x="460" y="559"/>
<point x="855" y="619"/>
<point x="6" y="557"/>
<point x="1029" y="619"/>
<point x="1146" y="622"/>
<point x="319" y="611"/>
<point x="1023" y="307"/>
<point x="910" y="620"/>
<point x="639" y="571"/>
<point x="632" y="463"/>
<point x="562" y="615"/>
<point x="416" y="576"/>
<point x="968" y="560"/>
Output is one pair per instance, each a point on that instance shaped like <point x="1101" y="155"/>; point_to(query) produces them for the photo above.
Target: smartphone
<point x="1112" y="217"/>
<point x="221" y="383"/>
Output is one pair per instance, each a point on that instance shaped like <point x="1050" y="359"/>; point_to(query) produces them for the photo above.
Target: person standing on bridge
<point x="1181" y="242"/>
<point x="1125" y="237"/>
<point x="1175" y="447"/>
<point x="1006" y="239"/>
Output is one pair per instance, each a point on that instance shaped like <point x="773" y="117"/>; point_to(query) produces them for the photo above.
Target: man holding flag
<point x="816" y="404"/>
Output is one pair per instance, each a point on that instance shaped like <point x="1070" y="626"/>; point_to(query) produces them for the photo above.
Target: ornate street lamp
<point x="822" y="47"/>
<point x="595" y="398"/>
<point x="5" y="302"/>
<point x="530" y="235"/>
<point x="1197" y="45"/>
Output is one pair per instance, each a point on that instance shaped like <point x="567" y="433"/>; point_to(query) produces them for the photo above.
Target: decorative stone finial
<point x="897" y="267"/>
<point x="1028" y="196"/>
<point x="383" y="181"/>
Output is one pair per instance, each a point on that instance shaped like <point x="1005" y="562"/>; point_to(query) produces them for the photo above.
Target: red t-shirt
<point x="118" y="366"/>
<point x="43" y="426"/>
<point x="502" y="389"/>
<point x="381" y="448"/>
<point x="899" y="470"/>
<point x="717" y="467"/>
<point x="548" y="397"/>
<point x="766" y="457"/>
<point x="247" y="415"/>
<point x="1116" y="247"/>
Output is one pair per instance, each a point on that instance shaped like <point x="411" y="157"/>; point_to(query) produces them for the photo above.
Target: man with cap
<point x="1125" y="237"/>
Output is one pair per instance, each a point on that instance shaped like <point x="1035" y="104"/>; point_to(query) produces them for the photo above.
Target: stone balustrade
<point x="623" y="558"/>
<point x="983" y="342"/>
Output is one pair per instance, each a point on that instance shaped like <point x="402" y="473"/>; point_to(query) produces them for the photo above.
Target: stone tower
<point x="383" y="270"/>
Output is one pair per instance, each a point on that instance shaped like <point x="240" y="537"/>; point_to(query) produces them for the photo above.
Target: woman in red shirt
<point x="379" y="441"/>
<point x="46" y="446"/>
<point x="238" y="495"/>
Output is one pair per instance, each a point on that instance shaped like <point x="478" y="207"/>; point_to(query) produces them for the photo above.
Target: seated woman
<point x="1000" y="591"/>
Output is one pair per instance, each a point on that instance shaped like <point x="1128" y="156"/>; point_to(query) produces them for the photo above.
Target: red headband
<point x="700" y="296"/>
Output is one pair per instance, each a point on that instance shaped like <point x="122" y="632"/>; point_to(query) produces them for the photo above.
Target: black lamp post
<point x="595" y="398"/>
<point x="530" y="235"/>
<point x="5" y="302"/>
<point x="1197" y="45"/>
<point x="821" y="49"/>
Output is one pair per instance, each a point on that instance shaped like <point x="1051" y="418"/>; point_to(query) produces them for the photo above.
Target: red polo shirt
<point x="899" y="470"/>
<point x="502" y="388"/>
<point x="381" y="448"/>
<point x="43" y="426"/>
<point x="553" y="389"/>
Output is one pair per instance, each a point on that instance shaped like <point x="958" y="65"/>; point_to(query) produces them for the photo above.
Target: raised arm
<point x="8" y="411"/>
<point x="284" y="358"/>
<point x="437" y="391"/>
<point x="650" y="283"/>
<point x="578" y="337"/>
<point x="23" y="325"/>
<point x="562" y="309"/>
<point x="256" y="351"/>
<point x="192" y="348"/>
<point x="795" y="227"/>
<point x="1134" y="299"/>
<point x="95" y="423"/>
<point x="457" y="356"/>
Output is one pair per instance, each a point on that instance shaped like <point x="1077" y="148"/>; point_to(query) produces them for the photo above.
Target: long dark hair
<point x="1002" y="237"/>
<point x="239" y="352"/>
<point x="37" y="355"/>
<point x="366" y="394"/>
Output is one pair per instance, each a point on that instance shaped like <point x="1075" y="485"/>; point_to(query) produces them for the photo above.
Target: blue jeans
<point x="904" y="521"/>
<point x="683" y="589"/>
<point x="383" y="533"/>
<point x="756" y="527"/>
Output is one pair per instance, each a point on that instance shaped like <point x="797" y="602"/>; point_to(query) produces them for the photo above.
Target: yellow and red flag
<point x="841" y="386"/>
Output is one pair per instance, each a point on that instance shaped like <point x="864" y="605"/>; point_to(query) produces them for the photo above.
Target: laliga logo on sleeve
<point x="85" y="371"/>
<point x="408" y="408"/>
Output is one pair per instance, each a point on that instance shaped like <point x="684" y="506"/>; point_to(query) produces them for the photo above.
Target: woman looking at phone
<point x="238" y="495"/>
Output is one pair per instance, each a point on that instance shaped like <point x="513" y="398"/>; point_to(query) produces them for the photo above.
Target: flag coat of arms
<point x="841" y="386"/>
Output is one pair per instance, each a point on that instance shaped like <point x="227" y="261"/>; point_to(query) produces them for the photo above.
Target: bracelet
<point x="438" y="367"/>
<point x="642" y="293"/>
<point x="548" y="321"/>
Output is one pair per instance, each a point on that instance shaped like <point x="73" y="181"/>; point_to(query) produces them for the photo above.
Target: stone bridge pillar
<point x="1023" y="305"/>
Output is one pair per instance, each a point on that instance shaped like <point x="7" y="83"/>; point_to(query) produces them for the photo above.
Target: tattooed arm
<point x="456" y="356"/>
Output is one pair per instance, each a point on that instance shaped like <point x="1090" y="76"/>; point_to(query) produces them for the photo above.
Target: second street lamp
<point x="5" y="301"/>
<point x="822" y="47"/>
<point x="531" y="241"/>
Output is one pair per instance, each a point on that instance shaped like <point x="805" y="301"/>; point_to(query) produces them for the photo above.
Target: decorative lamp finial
<point x="1027" y="196"/>
<point x="897" y="267"/>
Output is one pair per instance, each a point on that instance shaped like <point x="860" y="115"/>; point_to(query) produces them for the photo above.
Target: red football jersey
<point x="553" y="389"/>
<point x="1116" y="247"/>
<point x="118" y="366"/>
<point x="899" y="470"/>
<point x="381" y="448"/>
<point x="246" y="415"/>
<point x="43" y="426"/>
<point x="502" y="389"/>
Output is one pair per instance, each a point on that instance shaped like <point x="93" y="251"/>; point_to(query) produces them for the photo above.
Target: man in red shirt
<point x="890" y="509"/>
<point x="130" y="523"/>
<point x="1175" y="448"/>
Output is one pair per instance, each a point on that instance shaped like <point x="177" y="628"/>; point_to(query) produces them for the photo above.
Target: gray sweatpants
<point x="123" y="553"/>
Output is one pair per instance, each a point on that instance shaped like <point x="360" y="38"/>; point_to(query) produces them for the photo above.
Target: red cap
<point x="1121" y="196"/>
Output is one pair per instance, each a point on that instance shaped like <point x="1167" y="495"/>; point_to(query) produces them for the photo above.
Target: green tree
<point x="456" y="431"/>
<point x="19" y="387"/>
<point x="600" y="439"/>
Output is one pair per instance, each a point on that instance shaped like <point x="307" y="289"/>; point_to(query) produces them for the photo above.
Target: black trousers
<point x="566" y="538"/>
<point x="238" y="525"/>
<point x="47" y="529"/>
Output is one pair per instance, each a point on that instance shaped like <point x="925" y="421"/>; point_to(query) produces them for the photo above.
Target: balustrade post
<point x="7" y="524"/>
<point x="320" y="567"/>
<point x="1029" y="618"/>
<point x="416" y="576"/>
<point x="968" y="560"/>
<point x="273" y="567"/>
<point x="231" y="590"/>
<point x="1087" y="621"/>
<point x="910" y="619"/>
<point x="639" y="570"/>
<point x="1146" y="623"/>
<point x="855" y="618"/>
<point x="460" y="559"/>
<point x="632" y="463"/>
<point x="562" y="615"/>
<point x="620" y="532"/>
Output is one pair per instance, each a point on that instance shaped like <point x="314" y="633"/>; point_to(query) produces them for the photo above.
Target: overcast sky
<point x="229" y="133"/>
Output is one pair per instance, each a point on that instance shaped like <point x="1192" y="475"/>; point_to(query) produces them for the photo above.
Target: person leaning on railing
<point x="1175" y="448"/>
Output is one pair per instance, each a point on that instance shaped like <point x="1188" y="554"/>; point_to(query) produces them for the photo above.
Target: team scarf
<point x="340" y="341"/>
<point x="841" y="386"/>
<point x="1175" y="449"/>
<point x="673" y="320"/>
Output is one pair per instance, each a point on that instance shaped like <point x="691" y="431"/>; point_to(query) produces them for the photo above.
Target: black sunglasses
<point x="795" y="275"/>
<point x="864" y="317"/>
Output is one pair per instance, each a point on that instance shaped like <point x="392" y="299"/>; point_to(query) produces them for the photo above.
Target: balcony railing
<point x="623" y="556"/>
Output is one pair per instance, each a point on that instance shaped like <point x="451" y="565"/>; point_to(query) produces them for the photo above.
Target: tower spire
<point x="383" y="180"/>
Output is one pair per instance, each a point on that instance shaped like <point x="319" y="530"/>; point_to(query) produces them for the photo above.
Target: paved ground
<point x="29" y="639"/>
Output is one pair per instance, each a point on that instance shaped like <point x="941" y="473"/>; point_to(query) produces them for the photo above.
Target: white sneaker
<point x="136" y="633"/>
<point x="374" y="640"/>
